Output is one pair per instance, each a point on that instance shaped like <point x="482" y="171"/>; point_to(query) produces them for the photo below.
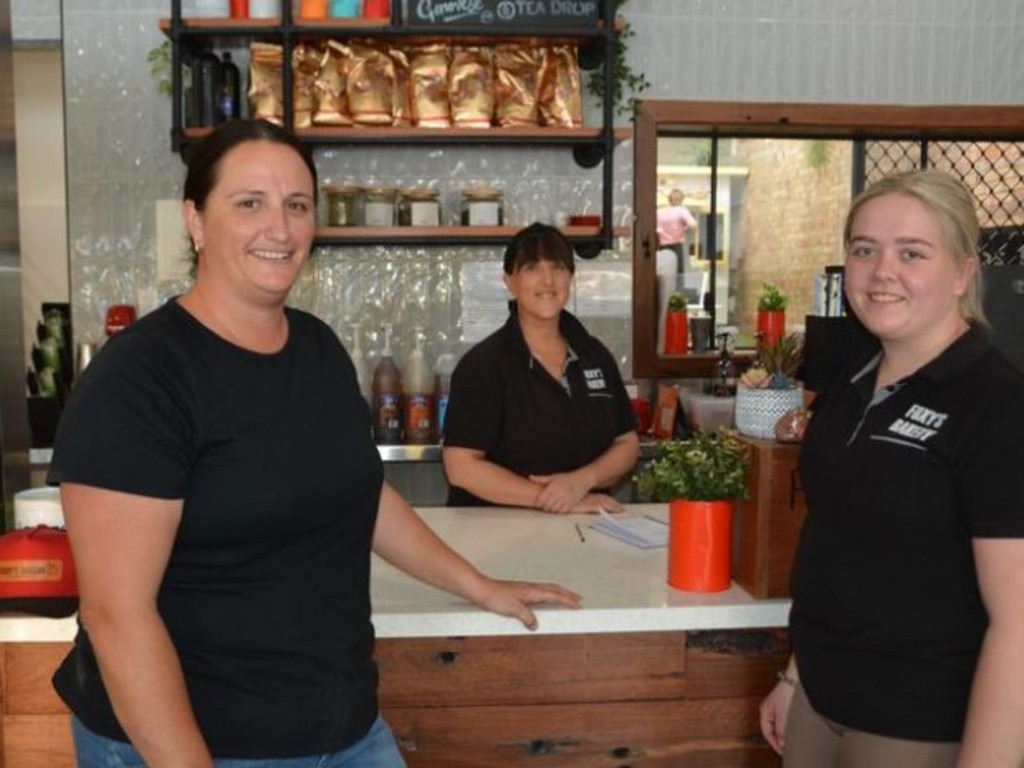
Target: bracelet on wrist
<point x="788" y="679"/>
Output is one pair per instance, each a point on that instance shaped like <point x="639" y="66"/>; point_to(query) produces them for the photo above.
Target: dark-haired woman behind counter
<point x="538" y="415"/>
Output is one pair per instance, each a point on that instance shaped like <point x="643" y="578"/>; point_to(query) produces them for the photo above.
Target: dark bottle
<point x="229" y="101"/>
<point x="206" y="87"/>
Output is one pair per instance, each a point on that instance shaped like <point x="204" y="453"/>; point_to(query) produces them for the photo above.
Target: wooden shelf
<point x="494" y="135"/>
<point x="328" y="236"/>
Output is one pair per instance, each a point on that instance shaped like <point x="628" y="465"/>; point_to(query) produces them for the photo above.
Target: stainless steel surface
<point x="409" y="452"/>
<point x="14" y="436"/>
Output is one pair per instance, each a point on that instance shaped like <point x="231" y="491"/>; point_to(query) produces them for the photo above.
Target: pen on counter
<point x="579" y="532"/>
<point x="656" y="520"/>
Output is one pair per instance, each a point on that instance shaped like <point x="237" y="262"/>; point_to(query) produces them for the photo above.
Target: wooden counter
<point x="641" y="675"/>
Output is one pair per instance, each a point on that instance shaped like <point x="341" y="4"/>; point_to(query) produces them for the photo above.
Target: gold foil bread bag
<point x="330" y="88"/>
<point x="560" y="88"/>
<point x="471" y="87"/>
<point x="401" y="104"/>
<point x="371" y="84"/>
<point x="517" y="84"/>
<point x="265" y="61"/>
<point x="305" y="68"/>
<point x="428" y="77"/>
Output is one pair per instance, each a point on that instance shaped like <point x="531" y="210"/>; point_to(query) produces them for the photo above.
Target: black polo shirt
<point x="504" y="403"/>
<point x="887" y="618"/>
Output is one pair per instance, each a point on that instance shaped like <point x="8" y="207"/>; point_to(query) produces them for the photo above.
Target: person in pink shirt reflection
<point x="674" y="221"/>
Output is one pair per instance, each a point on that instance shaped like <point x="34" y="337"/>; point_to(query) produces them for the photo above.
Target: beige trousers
<point x="812" y="741"/>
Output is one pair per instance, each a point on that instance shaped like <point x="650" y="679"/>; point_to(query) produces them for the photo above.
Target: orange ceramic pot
<point x="677" y="334"/>
<point x="699" y="545"/>
<point x="771" y="324"/>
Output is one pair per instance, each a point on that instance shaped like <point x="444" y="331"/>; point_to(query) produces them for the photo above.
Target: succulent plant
<point x="776" y="364"/>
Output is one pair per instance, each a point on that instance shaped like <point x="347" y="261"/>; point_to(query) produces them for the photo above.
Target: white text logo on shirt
<point x="595" y="379"/>
<point x="919" y="423"/>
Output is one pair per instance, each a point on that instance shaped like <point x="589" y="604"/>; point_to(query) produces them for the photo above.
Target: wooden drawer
<point x="28" y="668"/>
<point x="38" y="741"/>
<point x="532" y="669"/>
<point x="667" y="734"/>
<point x="768" y="522"/>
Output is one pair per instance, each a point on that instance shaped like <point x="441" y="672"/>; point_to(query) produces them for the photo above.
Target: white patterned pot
<point x="758" y="410"/>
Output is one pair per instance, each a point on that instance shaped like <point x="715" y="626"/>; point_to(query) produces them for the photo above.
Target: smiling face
<point x="540" y="288"/>
<point x="256" y="227"/>
<point x="902" y="278"/>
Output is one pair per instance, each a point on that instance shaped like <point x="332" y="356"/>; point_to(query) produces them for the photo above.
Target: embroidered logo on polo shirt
<point x="918" y="424"/>
<point x="595" y="379"/>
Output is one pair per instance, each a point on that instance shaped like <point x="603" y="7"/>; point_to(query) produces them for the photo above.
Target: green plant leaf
<point x="710" y="466"/>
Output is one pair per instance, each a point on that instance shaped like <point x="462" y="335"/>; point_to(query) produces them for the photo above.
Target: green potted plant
<point x="771" y="313"/>
<point x="677" y="335"/>
<point x="627" y="84"/>
<point x="768" y="389"/>
<point x="700" y="478"/>
<point x="710" y="466"/>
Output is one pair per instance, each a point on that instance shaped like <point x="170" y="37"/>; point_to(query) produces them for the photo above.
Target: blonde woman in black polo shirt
<point x="908" y="618"/>
<point x="538" y="414"/>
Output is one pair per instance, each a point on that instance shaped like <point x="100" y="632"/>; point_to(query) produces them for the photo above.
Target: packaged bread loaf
<point x="471" y="86"/>
<point x="560" y="93"/>
<point x="401" y="104"/>
<point x="305" y="68"/>
<point x="265" y="62"/>
<point x="370" y="83"/>
<point x="330" y="87"/>
<point x="428" y="77"/>
<point x="517" y="81"/>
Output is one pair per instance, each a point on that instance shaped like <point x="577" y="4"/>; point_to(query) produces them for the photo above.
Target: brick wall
<point x="797" y="196"/>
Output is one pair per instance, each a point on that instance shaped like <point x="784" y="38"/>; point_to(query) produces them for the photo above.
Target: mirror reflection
<point x="749" y="224"/>
<point x="735" y="201"/>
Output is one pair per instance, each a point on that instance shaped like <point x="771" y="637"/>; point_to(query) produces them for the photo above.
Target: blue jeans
<point x="377" y="749"/>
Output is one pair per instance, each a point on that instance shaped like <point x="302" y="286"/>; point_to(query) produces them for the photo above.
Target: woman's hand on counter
<point x="561" y="492"/>
<point x="594" y="502"/>
<point x="514" y="598"/>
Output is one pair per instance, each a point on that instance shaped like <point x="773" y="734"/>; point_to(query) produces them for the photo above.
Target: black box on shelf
<point x="830" y="343"/>
<point x="1004" y="306"/>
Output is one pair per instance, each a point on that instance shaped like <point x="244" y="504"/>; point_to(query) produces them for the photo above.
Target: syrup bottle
<point x="386" y="391"/>
<point x="419" y="396"/>
<point x="443" y="368"/>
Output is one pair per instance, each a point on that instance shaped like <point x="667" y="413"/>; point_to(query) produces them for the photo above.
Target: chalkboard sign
<point x="502" y="13"/>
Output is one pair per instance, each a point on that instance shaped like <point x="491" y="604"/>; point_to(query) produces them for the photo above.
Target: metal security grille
<point x="993" y="170"/>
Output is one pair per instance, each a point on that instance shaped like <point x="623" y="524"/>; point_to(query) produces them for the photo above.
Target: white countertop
<point x="623" y="588"/>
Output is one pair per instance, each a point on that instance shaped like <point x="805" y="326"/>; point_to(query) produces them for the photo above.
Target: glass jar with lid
<point x="341" y="204"/>
<point x="379" y="207"/>
<point x="419" y="207"/>
<point x="482" y="207"/>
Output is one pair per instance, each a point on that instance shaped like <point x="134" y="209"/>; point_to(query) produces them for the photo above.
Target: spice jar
<point x="419" y="207"/>
<point x="379" y="207"/>
<point x="482" y="207"/>
<point x="341" y="205"/>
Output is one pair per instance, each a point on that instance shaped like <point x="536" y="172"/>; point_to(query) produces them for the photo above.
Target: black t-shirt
<point x="266" y="595"/>
<point x="504" y="403"/>
<point x="887" y="617"/>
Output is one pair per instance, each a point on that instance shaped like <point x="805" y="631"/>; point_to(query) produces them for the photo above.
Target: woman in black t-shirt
<point x="538" y="415"/>
<point x="222" y="496"/>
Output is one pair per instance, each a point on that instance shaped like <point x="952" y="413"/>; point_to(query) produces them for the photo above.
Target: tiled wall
<point x="881" y="51"/>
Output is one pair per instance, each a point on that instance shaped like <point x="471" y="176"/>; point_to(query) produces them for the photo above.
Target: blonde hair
<point x="954" y="207"/>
